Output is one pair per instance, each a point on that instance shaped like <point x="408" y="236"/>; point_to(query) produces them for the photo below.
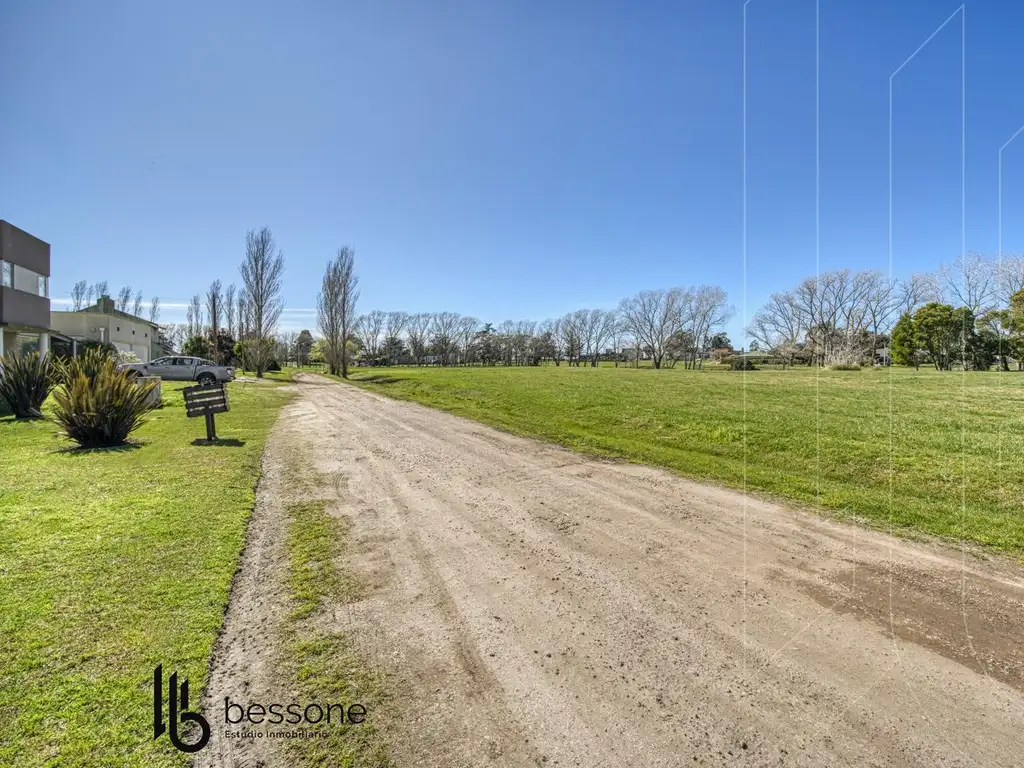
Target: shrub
<point x="196" y="346"/>
<point x="26" y="381"/>
<point x="90" y="363"/>
<point x="273" y="365"/>
<point x="100" y="410"/>
<point x="84" y="347"/>
<point x="844" y="367"/>
<point x="742" y="364"/>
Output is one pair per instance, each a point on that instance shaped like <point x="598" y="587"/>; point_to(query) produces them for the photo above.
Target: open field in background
<point x="956" y="441"/>
<point x="112" y="562"/>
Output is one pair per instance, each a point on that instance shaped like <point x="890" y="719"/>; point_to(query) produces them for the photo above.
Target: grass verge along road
<point x="111" y="562"/>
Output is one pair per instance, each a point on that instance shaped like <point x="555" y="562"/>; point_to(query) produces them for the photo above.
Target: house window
<point x="24" y="279"/>
<point x="119" y="329"/>
<point x="6" y="274"/>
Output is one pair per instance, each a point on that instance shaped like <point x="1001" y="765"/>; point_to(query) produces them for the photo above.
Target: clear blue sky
<point x="505" y="160"/>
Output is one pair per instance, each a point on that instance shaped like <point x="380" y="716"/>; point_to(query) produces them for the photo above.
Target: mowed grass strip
<point x="111" y="562"/>
<point x="920" y="451"/>
<point x="321" y="663"/>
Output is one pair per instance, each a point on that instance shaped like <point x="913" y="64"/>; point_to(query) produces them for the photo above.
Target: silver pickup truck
<point x="183" y="368"/>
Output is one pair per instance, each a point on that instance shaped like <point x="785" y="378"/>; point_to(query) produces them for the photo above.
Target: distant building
<point x="24" y="291"/>
<point x="102" y="322"/>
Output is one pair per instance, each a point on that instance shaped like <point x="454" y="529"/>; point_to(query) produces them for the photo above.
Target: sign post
<point x="206" y="401"/>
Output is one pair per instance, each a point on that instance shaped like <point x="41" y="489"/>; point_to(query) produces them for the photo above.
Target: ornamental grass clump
<point x="90" y="363"/>
<point x="99" y="406"/>
<point x="26" y="382"/>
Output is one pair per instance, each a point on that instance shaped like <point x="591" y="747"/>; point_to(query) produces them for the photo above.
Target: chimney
<point x="105" y="305"/>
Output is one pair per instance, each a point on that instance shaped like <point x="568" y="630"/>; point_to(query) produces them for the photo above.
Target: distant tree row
<point x="85" y="294"/>
<point x="966" y="314"/>
<point x="666" y="326"/>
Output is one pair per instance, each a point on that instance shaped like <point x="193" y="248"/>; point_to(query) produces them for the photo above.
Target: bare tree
<point x="882" y="305"/>
<point x="230" y="310"/>
<point x="708" y="311"/>
<point x="370" y="328"/>
<point x="102" y="288"/>
<point x="595" y="329"/>
<point x="175" y="334"/>
<point x="394" y="327"/>
<point x="419" y="329"/>
<point x="970" y="281"/>
<point x="571" y="335"/>
<point x="619" y="332"/>
<point x="467" y="327"/>
<point x="124" y="297"/>
<point x="194" y="317"/>
<point x="154" y="309"/>
<point x="557" y="347"/>
<point x="917" y="290"/>
<point x="262" y="271"/>
<point x="213" y="308"/>
<point x="78" y="293"/>
<point x="396" y="323"/>
<point x="336" y="305"/>
<point x="443" y="335"/>
<point x="287" y="346"/>
<point x="779" y="325"/>
<point x="243" y="315"/>
<point x="90" y="292"/>
<point x="653" y="317"/>
<point x="1010" y="277"/>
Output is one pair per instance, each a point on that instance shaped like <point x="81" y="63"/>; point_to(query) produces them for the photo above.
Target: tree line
<point x="968" y="313"/>
<point x="85" y="294"/>
<point x="667" y="326"/>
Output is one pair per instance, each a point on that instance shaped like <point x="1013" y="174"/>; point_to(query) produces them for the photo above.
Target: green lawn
<point x="112" y="562"/>
<point x="955" y="441"/>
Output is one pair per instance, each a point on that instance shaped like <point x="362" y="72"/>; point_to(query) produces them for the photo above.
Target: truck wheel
<point x="206" y="379"/>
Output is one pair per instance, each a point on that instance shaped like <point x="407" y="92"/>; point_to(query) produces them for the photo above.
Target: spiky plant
<point x="90" y="363"/>
<point x="26" y="381"/>
<point x="100" y="410"/>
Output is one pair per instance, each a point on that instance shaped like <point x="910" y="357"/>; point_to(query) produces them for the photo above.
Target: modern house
<point x="24" y="291"/>
<point x="102" y="322"/>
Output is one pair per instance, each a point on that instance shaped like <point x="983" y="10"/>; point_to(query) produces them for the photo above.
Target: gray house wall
<point x="24" y="308"/>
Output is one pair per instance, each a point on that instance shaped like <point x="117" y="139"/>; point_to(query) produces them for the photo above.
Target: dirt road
<point x="541" y="608"/>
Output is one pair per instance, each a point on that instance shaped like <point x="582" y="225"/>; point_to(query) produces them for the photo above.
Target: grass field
<point x="112" y="562"/>
<point x="923" y="452"/>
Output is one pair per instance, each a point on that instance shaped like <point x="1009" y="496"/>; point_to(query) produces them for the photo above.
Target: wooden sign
<point x="206" y="401"/>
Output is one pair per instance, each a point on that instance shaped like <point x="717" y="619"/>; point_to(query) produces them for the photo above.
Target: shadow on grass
<point x="378" y="378"/>
<point x="9" y="418"/>
<point x="229" y="442"/>
<point x="77" y="450"/>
